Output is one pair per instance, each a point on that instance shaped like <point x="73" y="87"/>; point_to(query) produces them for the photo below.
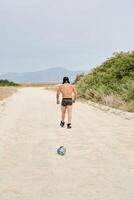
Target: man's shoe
<point x="69" y="126"/>
<point x="62" y="124"/>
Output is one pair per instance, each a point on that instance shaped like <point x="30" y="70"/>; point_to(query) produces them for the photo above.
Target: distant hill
<point x="111" y="83"/>
<point x="53" y="75"/>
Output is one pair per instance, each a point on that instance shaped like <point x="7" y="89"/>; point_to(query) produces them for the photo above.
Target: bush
<point x="7" y="83"/>
<point x="114" y="77"/>
<point x="78" y="78"/>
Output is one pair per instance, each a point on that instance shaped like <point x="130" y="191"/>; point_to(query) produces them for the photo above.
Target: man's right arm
<point x="58" y="95"/>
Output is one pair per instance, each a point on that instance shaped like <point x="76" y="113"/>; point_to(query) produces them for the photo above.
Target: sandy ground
<point x="98" y="165"/>
<point x="7" y="91"/>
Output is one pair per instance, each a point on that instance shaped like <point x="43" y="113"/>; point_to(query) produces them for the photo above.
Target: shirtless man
<point x="69" y="95"/>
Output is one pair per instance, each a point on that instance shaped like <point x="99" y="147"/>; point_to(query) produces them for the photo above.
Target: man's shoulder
<point x="59" y="86"/>
<point x="62" y="85"/>
<point x="73" y="86"/>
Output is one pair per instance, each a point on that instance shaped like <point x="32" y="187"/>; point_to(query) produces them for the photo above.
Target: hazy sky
<point x="76" y="34"/>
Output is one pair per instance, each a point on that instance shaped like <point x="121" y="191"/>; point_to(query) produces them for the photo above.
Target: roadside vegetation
<point x="7" y="83"/>
<point x="37" y="84"/>
<point x="111" y="83"/>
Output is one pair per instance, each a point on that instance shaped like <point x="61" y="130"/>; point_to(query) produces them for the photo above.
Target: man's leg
<point x="69" y="112"/>
<point x="63" y="112"/>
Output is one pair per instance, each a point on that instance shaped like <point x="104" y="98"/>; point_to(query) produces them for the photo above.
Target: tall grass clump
<point x="111" y="83"/>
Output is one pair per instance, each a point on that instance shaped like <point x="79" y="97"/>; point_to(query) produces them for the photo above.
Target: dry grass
<point x="6" y="92"/>
<point x="112" y="101"/>
<point x="116" y="102"/>
<point x="52" y="87"/>
<point x="128" y="106"/>
<point x="37" y="84"/>
<point x="49" y="86"/>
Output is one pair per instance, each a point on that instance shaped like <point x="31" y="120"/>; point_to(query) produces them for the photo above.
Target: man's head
<point x="66" y="80"/>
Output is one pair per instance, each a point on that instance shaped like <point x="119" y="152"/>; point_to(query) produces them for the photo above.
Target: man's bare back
<point x="67" y="90"/>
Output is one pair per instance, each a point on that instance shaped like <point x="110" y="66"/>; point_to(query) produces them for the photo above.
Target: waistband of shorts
<point x="67" y="98"/>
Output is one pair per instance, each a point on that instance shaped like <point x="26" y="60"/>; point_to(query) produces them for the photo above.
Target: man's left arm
<point x="58" y="95"/>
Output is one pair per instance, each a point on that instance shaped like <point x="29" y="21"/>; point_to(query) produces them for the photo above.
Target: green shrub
<point x="78" y="78"/>
<point x="5" y="82"/>
<point x="113" y="77"/>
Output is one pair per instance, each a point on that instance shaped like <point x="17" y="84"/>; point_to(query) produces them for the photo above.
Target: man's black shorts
<point x="67" y="102"/>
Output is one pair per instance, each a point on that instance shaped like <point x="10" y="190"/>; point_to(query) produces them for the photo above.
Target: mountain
<point x="53" y="75"/>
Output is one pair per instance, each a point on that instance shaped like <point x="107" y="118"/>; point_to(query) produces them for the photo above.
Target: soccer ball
<point x="61" y="150"/>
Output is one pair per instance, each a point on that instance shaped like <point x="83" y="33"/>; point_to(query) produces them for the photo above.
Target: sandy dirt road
<point x="98" y="165"/>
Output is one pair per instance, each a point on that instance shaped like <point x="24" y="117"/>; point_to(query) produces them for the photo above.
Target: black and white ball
<point x="61" y="150"/>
